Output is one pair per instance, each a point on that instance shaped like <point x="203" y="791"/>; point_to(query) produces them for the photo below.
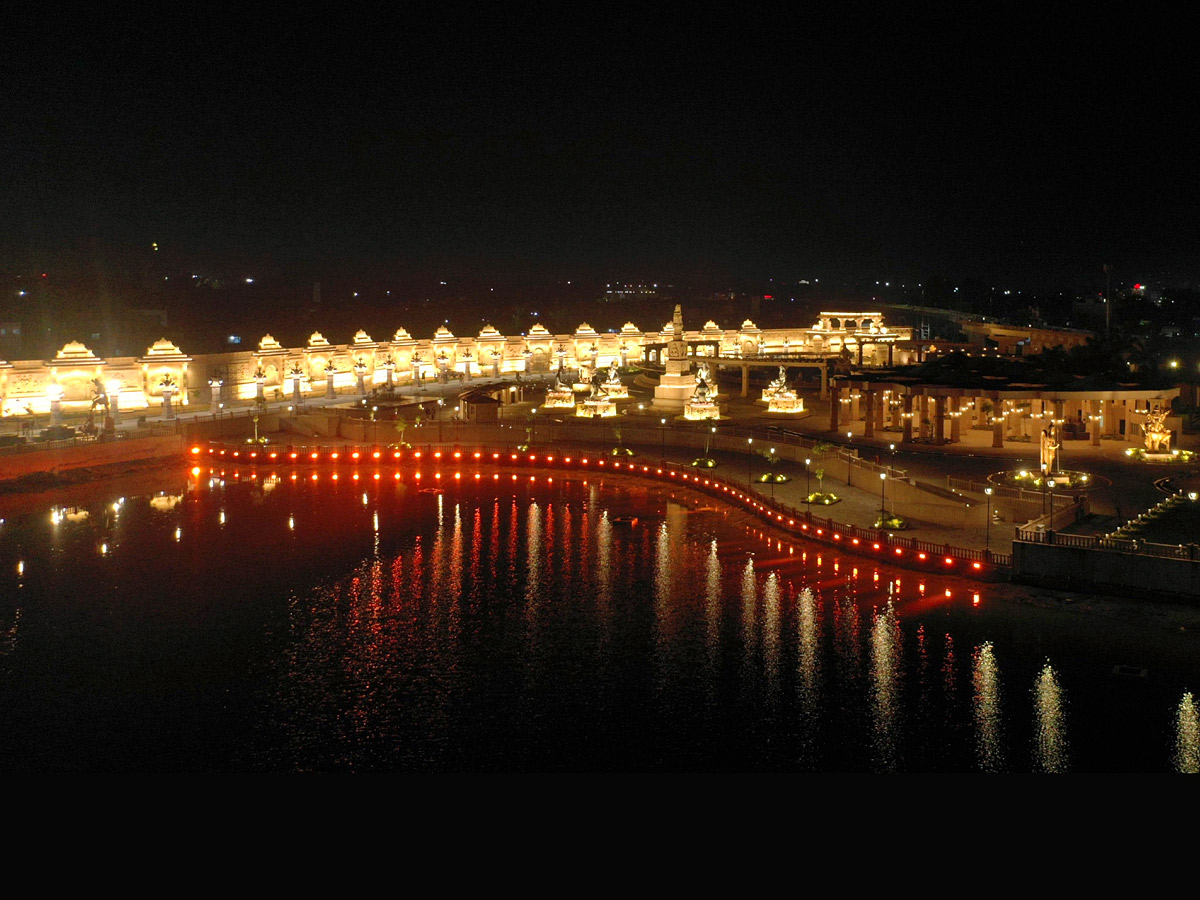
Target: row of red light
<point x="976" y="568"/>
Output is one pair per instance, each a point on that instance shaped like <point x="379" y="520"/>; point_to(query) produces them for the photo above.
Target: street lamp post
<point x="807" y="480"/>
<point x="882" y="496"/>
<point x="663" y="432"/>
<point x="988" y="528"/>
<point x="772" y="469"/>
<point x="749" y="460"/>
<point x="849" y="459"/>
<point x="1051" y="484"/>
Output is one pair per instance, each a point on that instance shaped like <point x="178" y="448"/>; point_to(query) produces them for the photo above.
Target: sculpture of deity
<point x="1050" y="448"/>
<point x="598" y="392"/>
<point x="560" y="380"/>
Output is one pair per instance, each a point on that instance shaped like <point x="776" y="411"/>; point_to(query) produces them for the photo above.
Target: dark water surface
<point x="364" y="624"/>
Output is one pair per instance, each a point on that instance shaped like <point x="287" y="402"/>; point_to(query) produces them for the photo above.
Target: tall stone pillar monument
<point x="677" y="382"/>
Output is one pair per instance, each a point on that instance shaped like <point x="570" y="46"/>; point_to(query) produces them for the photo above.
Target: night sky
<point x="840" y="145"/>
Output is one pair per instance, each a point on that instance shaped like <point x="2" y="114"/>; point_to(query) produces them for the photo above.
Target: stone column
<point x="939" y="420"/>
<point x="894" y="411"/>
<point x="824" y="380"/>
<point x="879" y="404"/>
<point x="997" y="431"/>
<point x="955" y="420"/>
<point x="891" y="348"/>
<point x="1110" y="418"/>
<point x="907" y="419"/>
<point x="835" y="402"/>
<point x="360" y="372"/>
<point x="329" y="392"/>
<point x="869" y="430"/>
<point x="1094" y="407"/>
<point x="168" y="412"/>
<point x="745" y="381"/>
<point x="854" y="406"/>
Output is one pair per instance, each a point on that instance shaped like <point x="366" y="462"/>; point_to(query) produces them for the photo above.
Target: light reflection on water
<point x="985" y="677"/>
<point x="885" y="672"/>
<point x="510" y="626"/>
<point x="1050" y="737"/>
<point x="1187" y="736"/>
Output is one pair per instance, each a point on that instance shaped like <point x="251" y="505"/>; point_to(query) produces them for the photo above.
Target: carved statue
<point x="780" y="383"/>
<point x="614" y="375"/>
<point x="560" y="379"/>
<point x="702" y="372"/>
<point x="1050" y="447"/>
<point x="598" y="392"/>
<point x="99" y="397"/>
<point x="1158" y="438"/>
<point x="702" y="392"/>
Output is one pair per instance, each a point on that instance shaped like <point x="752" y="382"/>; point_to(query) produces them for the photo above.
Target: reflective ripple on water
<point x="532" y="624"/>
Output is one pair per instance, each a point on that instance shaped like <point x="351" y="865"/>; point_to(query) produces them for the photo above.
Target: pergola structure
<point x="1013" y="410"/>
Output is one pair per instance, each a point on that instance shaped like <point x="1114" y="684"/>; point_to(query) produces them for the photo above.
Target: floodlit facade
<point x="323" y="368"/>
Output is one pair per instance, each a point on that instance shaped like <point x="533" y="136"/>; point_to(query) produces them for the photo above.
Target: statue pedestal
<point x="673" y="391"/>
<point x="617" y="391"/>
<point x="785" y="402"/>
<point x="700" y="411"/>
<point x="559" y="400"/>
<point x="596" y="409"/>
